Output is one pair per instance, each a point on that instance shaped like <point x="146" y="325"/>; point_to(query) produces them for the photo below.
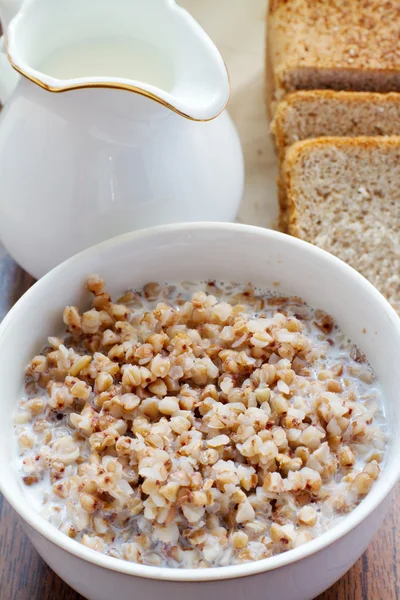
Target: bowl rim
<point x="377" y="495"/>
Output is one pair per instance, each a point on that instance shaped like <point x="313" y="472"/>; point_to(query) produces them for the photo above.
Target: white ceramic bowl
<point x="196" y="252"/>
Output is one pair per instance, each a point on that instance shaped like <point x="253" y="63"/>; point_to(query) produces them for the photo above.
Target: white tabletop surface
<point x="237" y="27"/>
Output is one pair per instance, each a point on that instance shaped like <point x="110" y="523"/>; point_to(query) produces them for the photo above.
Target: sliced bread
<point x="318" y="113"/>
<point x="333" y="44"/>
<point x="344" y="196"/>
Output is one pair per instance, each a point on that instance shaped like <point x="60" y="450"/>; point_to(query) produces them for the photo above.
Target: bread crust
<point x="269" y="72"/>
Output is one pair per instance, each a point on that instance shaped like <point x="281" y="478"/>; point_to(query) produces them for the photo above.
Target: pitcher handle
<point x="8" y="76"/>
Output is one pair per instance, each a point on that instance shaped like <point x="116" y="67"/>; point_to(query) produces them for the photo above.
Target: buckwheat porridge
<point x="198" y="425"/>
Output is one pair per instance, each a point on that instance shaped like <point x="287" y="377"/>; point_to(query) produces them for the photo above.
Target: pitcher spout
<point x="153" y="48"/>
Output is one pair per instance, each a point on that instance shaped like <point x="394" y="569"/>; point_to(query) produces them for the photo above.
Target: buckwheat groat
<point x="198" y="425"/>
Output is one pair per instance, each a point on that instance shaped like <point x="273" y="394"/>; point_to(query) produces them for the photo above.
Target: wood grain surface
<point x="24" y="576"/>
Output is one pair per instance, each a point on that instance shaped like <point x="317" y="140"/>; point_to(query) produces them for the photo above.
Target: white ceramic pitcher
<point x="117" y="123"/>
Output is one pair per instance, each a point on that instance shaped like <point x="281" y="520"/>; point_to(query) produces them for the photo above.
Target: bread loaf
<point x="333" y="44"/>
<point x="317" y="113"/>
<point x="343" y="195"/>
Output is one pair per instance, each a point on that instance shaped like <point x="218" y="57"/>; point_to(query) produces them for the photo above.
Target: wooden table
<point x="24" y="576"/>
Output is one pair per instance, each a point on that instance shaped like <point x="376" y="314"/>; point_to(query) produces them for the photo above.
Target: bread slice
<point x="317" y="113"/>
<point x="344" y="196"/>
<point x="333" y="44"/>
